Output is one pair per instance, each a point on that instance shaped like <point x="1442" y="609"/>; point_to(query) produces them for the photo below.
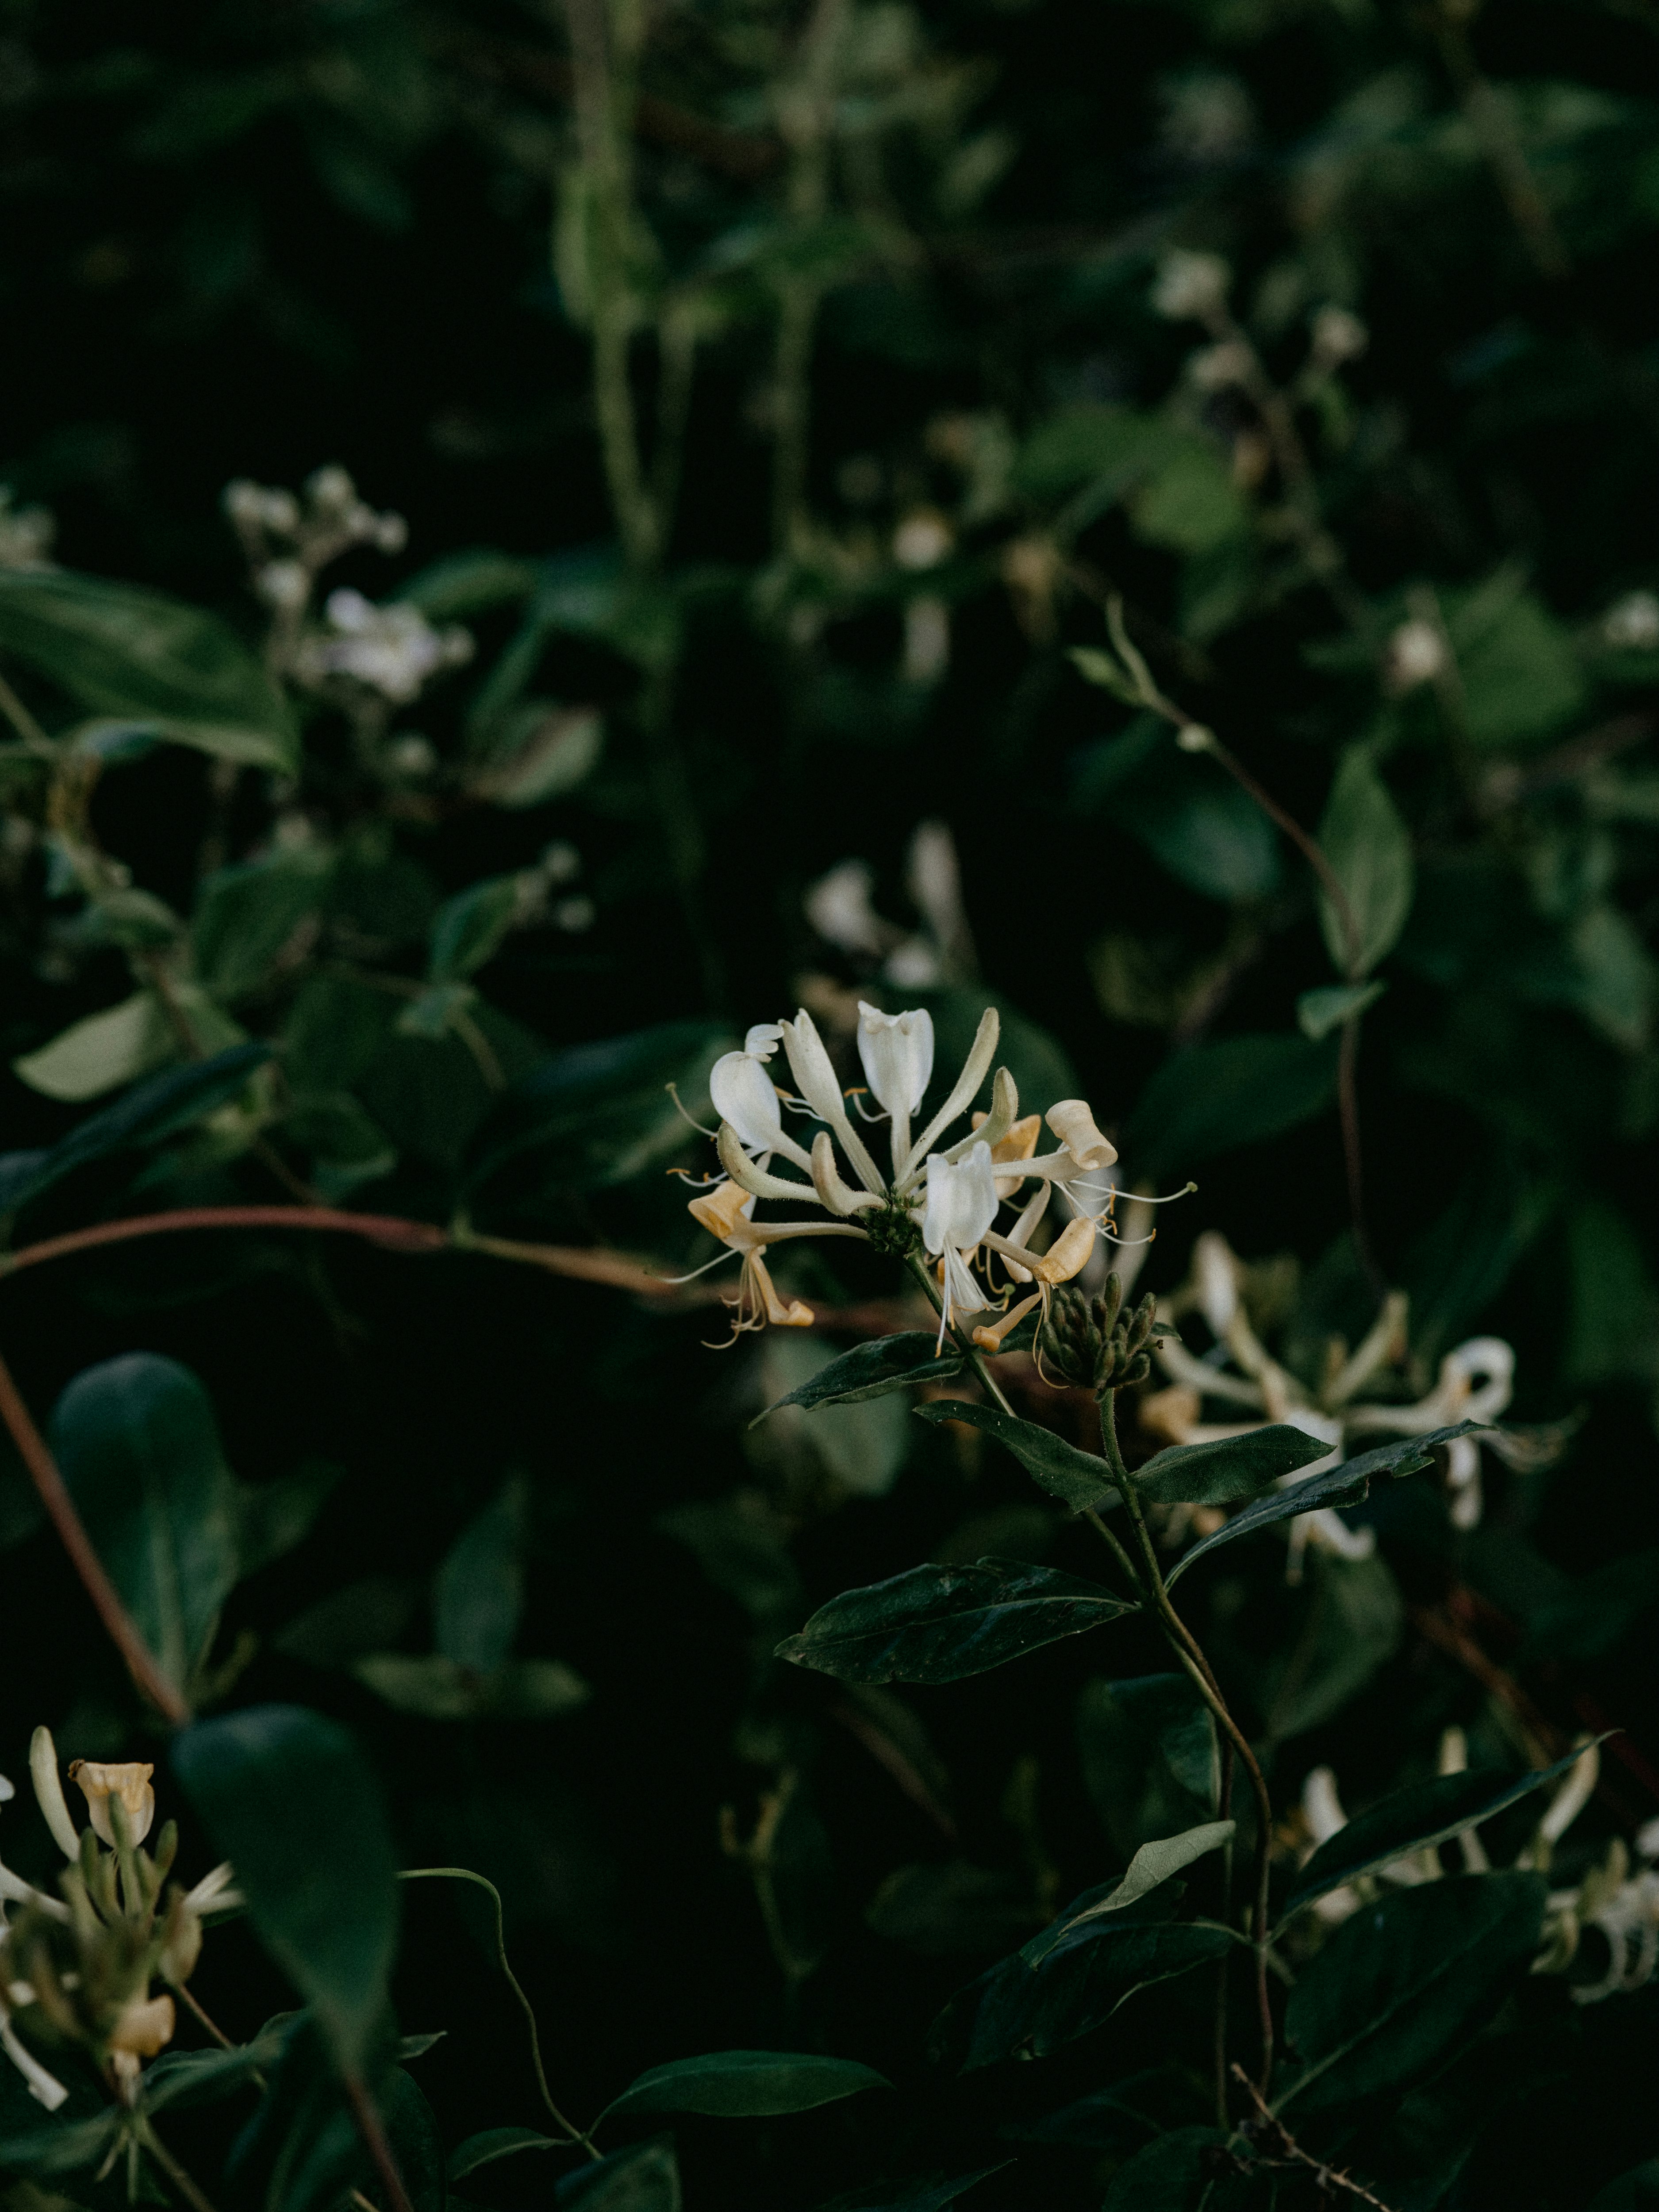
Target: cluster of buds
<point x="1098" y="1344"/>
<point x="77" y="1969"/>
<point x="289" y="540"/>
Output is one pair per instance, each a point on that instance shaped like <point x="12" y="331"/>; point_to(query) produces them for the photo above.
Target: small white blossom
<point x="1213" y="368"/>
<point x="1190" y="287"/>
<point x="1338" y="336"/>
<point x="1416" y="654"/>
<point x="393" y="649"/>
<point x="1632" y="622"/>
<point x="26" y="533"/>
<point x="922" y="539"/>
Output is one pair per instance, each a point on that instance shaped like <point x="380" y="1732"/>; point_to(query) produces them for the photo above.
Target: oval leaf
<point x="1078" y="1477"/>
<point x="644" y="2178"/>
<point x="287" y="1796"/>
<point x="1404" y="1983"/>
<point x="1235" y="1467"/>
<point x="1213" y="1098"/>
<point x="870" y="1370"/>
<point x="1412" y="1820"/>
<point x="1370" y="850"/>
<point x="936" y="1624"/>
<point x="138" y="1446"/>
<point x="746" y="2084"/>
<point x="1343" y="1486"/>
<point x="1152" y="1866"/>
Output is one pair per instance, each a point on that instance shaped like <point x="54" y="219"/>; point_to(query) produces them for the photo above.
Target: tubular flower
<point x="943" y="1193"/>
<point x="128" y="1784"/>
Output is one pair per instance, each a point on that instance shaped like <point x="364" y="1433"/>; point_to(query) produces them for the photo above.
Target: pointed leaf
<point x="1233" y="1468"/>
<point x="644" y="2178"/>
<point x="1370" y="850"/>
<point x="936" y="1624"/>
<point x="1151" y="1865"/>
<point x="1343" y="1486"/>
<point x="1169" y="2174"/>
<point x="1416" y="1819"/>
<point x="139" y="1447"/>
<point x="1405" y="1982"/>
<point x="870" y="1370"/>
<point x="287" y="1796"/>
<point x="746" y="2084"/>
<point x="1079" y="1477"/>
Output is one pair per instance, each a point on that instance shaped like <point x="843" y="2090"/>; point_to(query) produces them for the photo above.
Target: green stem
<point x="182" y="2181"/>
<point x="1188" y="1650"/>
<point x="573" y="2133"/>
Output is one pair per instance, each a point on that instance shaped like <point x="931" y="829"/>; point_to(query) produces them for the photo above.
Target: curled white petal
<point x="1073" y="1123"/>
<point x="49" y="1793"/>
<point x="961" y="1200"/>
<point x="45" y="2089"/>
<point x="897" y="1054"/>
<point x="743" y="1095"/>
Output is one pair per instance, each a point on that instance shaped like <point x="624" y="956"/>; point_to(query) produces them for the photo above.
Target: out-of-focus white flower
<point x="838" y="906"/>
<point x="927" y="639"/>
<point x="1214" y="368"/>
<point x="393" y="649"/>
<point x="1337" y="336"/>
<point x="1416" y="654"/>
<point x="922" y="539"/>
<point x="1633" y="623"/>
<point x="743" y="1095"/>
<point x="1190" y="287"/>
<point x="575" y="914"/>
<point x="26" y="533"/>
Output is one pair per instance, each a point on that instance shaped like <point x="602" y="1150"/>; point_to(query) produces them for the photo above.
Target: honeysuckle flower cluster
<point x="1475" y="1383"/>
<point x="393" y="650"/>
<point x="76" y="1968"/>
<point x="935" y="1205"/>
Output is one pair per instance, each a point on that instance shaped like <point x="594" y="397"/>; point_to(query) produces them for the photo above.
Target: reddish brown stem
<point x="369" y="2127"/>
<point x="398" y="1234"/>
<point x="54" y="1495"/>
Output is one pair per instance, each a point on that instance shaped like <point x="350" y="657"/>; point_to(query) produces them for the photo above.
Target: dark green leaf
<point x="936" y="1624"/>
<point x="923" y="2192"/>
<point x="1404" y="1982"/>
<point x="1152" y="1865"/>
<point x="117" y="650"/>
<point x="746" y="2084"/>
<point x="469" y="929"/>
<point x="60" y="2149"/>
<point x="1208" y="834"/>
<point x="1170" y="2174"/>
<point x="1019" y="2009"/>
<point x="143" y="1115"/>
<point x="1370" y="850"/>
<point x="286" y="1795"/>
<point x="1350" y="1618"/>
<point x="492" y="2143"/>
<point x="464" y="584"/>
<point x="198" y="2077"/>
<point x="413" y="2130"/>
<point x="139" y="1449"/>
<point x="1214" y="1097"/>
<point x="1320" y="1012"/>
<point x="479" y="1588"/>
<point x="870" y="1370"/>
<point x="600" y="1114"/>
<point x="1147" y="1748"/>
<point x="645" y="2178"/>
<point x="272" y="1517"/>
<point x="1635" y="2191"/>
<point x="1414" y="1819"/>
<point x="1343" y="1486"/>
<point x="1078" y="1477"/>
<point x="246" y="916"/>
<point x="1235" y="1467"/>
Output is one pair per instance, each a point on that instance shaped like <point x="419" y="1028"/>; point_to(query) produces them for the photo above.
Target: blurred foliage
<point x="1138" y="514"/>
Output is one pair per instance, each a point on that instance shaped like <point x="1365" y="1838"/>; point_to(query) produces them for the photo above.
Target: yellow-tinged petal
<point x="129" y="1782"/>
<point x="1021" y="1140"/>
<point x="1068" y="1254"/>
<point x="145" y="2027"/>
<point x="990" y="1339"/>
<point x="719" y="1211"/>
<point x="1073" y="1123"/>
<point x="792" y="1316"/>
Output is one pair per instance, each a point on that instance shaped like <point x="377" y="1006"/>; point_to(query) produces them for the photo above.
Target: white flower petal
<point x="898" y="1053"/>
<point x="743" y="1095"/>
<point x="961" y="1200"/>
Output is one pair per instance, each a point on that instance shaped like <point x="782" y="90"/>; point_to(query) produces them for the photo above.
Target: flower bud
<point x="128" y="1783"/>
<point x="1073" y="1123"/>
<point x="1190" y="286"/>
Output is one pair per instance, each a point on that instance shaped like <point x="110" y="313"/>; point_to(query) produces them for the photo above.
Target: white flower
<point x="393" y="649"/>
<point x="1190" y="287"/>
<point x="1416" y="654"/>
<point x="743" y="1094"/>
<point x="1632" y="621"/>
<point x="1338" y="336"/>
<point x="940" y="1199"/>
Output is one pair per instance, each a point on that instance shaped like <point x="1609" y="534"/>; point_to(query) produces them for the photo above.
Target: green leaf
<point x="856" y="1447"/>
<point x="1352" y="1617"/>
<point x="870" y="1370"/>
<point x="139" y="1449"/>
<point x="599" y="1114"/>
<point x="492" y="2143"/>
<point x="438" y="1689"/>
<point x="272" y="1517"/>
<point x="538" y="751"/>
<point x="1405" y="1982"/>
<point x="411" y="2127"/>
<point x="1320" y="1012"/>
<point x="198" y="2077"/>
<point x="1194" y="818"/>
<point x="145" y="1115"/>
<point x="246" y="916"/>
<point x="463" y="583"/>
<point x="1152" y="1865"/>
<point x="1415" y="1819"/>
<point x="1191" y="503"/>
<point x="1169" y="2174"/>
<point x="120" y="651"/>
<point x="62" y="2149"/>
<point x="102" y="1050"/>
<point x="1369" y="849"/>
<point x="348" y="1147"/>
<point x="1637" y="2190"/>
<point x="644" y="2178"/>
<point x="469" y="929"/>
<point x="937" y="1624"/>
<point x="286" y="1795"/>
<point x="1520" y="679"/>
<point x="746" y="2084"/>
<point x="1343" y="1486"/>
<point x="1147" y="1750"/>
<point x="479" y="1591"/>
<point x="1213" y="1098"/>
<point x="1078" y="1477"/>
<point x="1022" y="2010"/>
<point x="1233" y="1468"/>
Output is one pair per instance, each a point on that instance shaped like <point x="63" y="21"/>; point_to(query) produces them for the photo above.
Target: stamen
<point x="673" y="1090"/>
<point x="730" y="1253"/>
<point x="858" y="1096"/>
